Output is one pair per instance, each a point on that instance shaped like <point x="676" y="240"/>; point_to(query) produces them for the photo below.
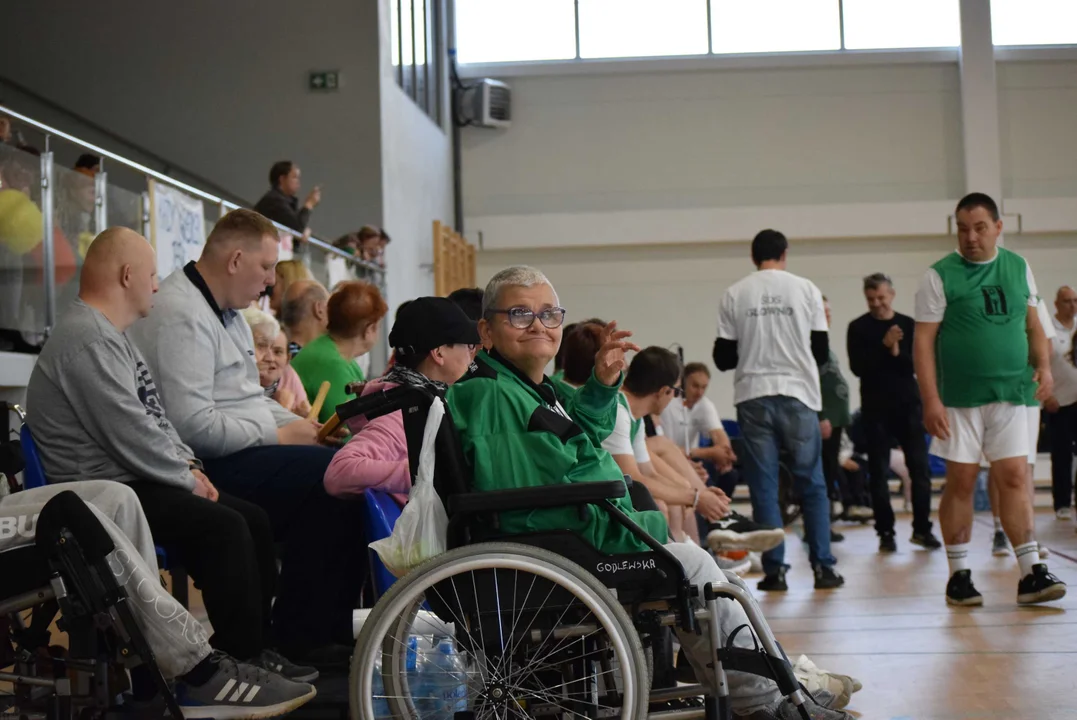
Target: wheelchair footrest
<point x="759" y="663"/>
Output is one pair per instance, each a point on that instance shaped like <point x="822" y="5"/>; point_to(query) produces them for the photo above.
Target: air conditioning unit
<point x="486" y="103"/>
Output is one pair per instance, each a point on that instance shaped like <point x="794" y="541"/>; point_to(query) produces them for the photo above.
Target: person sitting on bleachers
<point x="199" y="349"/>
<point x="286" y="274"/>
<point x="434" y="342"/>
<point x="355" y="312"/>
<point x="304" y="313"/>
<point x="179" y="642"/>
<point x="508" y="410"/>
<point x="95" y="413"/>
<point x="275" y="373"/>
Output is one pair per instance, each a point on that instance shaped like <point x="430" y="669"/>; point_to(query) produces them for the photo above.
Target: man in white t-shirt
<point x="649" y="386"/>
<point x="1061" y="408"/>
<point x="772" y="329"/>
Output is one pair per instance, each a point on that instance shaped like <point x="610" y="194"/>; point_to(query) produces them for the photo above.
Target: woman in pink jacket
<point x="435" y="343"/>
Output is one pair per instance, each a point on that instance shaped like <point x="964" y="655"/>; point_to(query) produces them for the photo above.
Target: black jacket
<point x="283" y="209"/>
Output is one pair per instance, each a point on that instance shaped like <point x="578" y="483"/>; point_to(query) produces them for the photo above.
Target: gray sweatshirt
<point x="203" y="359"/>
<point x="94" y="409"/>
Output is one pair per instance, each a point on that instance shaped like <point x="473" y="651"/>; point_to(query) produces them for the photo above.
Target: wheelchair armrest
<point x="539" y="498"/>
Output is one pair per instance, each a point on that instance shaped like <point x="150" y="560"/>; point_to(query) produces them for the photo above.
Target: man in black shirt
<point x="880" y="354"/>
<point x="281" y="204"/>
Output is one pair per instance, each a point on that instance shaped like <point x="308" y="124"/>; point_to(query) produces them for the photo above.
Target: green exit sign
<point x="323" y="81"/>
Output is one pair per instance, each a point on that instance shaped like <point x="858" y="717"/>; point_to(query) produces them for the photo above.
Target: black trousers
<point x="227" y="548"/>
<point x="324" y="562"/>
<point x="1062" y="433"/>
<point x="903" y="423"/>
<point x="831" y="466"/>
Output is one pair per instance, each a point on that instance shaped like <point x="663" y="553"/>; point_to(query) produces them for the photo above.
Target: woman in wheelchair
<point x="107" y="519"/>
<point x="537" y="635"/>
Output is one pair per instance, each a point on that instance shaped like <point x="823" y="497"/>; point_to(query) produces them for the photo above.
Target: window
<point x="642" y="28"/>
<point x="870" y="24"/>
<point x="738" y="26"/>
<point x="515" y="30"/>
<point x="415" y="47"/>
<point x="1034" y="22"/>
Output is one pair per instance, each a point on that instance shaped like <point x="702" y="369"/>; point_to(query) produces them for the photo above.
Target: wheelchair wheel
<point x="500" y="630"/>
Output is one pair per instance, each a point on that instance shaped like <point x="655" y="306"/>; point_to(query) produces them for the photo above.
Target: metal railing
<point x="55" y="188"/>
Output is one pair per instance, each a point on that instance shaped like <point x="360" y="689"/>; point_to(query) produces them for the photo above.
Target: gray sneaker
<point x="238" y="691"/>
<point x="273" y="661"/>
<point x="1000" y="547"/>
<point x="785" y="710"/>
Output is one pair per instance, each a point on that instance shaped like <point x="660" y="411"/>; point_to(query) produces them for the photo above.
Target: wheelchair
<point x="539" y="625"/>
<point x="66" y="571"/>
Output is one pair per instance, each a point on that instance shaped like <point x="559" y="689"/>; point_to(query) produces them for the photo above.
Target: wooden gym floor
<point x="920" y="660"/>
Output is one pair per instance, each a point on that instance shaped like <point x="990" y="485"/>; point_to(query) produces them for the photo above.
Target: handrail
<point x="190" y="189"/>
<point x="82" y="120"/>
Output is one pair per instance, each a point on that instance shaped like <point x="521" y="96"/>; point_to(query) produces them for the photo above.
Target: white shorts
<point x="1033" y="433"/>
<point x="995" y="432"/>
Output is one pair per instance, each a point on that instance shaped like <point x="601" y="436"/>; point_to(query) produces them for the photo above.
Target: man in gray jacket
<point x="200" y="351"/>
<point x="95" y="413"/>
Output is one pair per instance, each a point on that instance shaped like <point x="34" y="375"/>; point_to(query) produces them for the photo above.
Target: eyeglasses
<point x="522" y="318"/>
<point x="677" y="392"/>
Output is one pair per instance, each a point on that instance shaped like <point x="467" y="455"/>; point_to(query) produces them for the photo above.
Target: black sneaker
<point x="238" y="690"/>
<point x="273" y="661"/>
<point x="887" y="544"/>
<point x="826" y="578"/>
<point x="1039" y="586"/>
<point x="926" y="540"/>
<point x="1000" y="547"/>
<point x="736" y="532"/>
<point x="836" y="536"/>
<point x="961" y="592"/>
<point x="775" y="581"/>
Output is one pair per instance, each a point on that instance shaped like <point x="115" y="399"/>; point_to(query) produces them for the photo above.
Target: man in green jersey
<point x="977" y="331"/>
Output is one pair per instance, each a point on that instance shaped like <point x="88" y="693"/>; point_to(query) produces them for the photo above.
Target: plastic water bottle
<point x="381" y="705"/>
<point x="445" y="678"/>
<point x="411" y="664"/>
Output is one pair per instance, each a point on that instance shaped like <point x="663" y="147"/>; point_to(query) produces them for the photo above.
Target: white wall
<point x="220" y="88"/>
<point x="416" y="166"/>
<point x="637" y="192"/>
<point x="670" y="294"/>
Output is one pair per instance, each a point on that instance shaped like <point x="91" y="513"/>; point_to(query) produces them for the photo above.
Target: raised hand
<point x="610" y="359"/>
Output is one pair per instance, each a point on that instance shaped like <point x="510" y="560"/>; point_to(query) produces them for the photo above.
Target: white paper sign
<point x="179" y="228"/>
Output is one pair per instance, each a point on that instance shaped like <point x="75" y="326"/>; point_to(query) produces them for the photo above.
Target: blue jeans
<point x="768" y="426"/>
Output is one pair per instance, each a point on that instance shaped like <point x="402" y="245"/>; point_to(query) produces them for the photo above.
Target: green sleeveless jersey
<point x="982" y="348"/>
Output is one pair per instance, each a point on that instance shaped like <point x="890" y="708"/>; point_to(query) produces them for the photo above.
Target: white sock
<point x="1028" y="554"/>
<point x="958" y="557"/>
<point x="998" y="524"/>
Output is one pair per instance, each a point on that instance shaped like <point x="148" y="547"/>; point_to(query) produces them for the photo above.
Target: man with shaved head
<point x="304" y="313"/>
<point x="95" y="413"/>
<point x="1061" y="407"/>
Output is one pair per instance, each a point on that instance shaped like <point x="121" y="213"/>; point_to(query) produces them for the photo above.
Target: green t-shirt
<point x="318" y="361"/>
<point x="982" y="347"/>
<point x="835" y="391"/>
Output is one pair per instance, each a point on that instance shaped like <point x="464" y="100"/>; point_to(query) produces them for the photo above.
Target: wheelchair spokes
<point x="521" y="635"/>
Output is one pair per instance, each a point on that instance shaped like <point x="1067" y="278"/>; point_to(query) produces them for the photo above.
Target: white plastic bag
<point x="419" y="533"/>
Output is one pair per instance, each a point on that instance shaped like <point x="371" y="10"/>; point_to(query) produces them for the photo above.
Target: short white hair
<point x="259" y="320"/>
<point x="515" y="276"/>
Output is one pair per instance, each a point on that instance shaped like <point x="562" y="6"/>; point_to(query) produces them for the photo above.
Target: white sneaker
<point x="1063" y="514"/>
<point x="814" y="678"/>
<point x="740" y="567"/>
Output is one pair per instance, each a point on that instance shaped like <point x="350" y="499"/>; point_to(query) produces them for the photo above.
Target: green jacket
<point x="514" y="435"/>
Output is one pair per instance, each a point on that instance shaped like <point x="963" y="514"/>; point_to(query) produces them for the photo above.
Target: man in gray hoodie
<point x="95" y="413"/>
<point x="200" y="351"/>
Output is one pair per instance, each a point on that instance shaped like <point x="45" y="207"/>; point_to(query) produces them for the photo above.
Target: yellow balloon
<point x="20" y="222"/>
